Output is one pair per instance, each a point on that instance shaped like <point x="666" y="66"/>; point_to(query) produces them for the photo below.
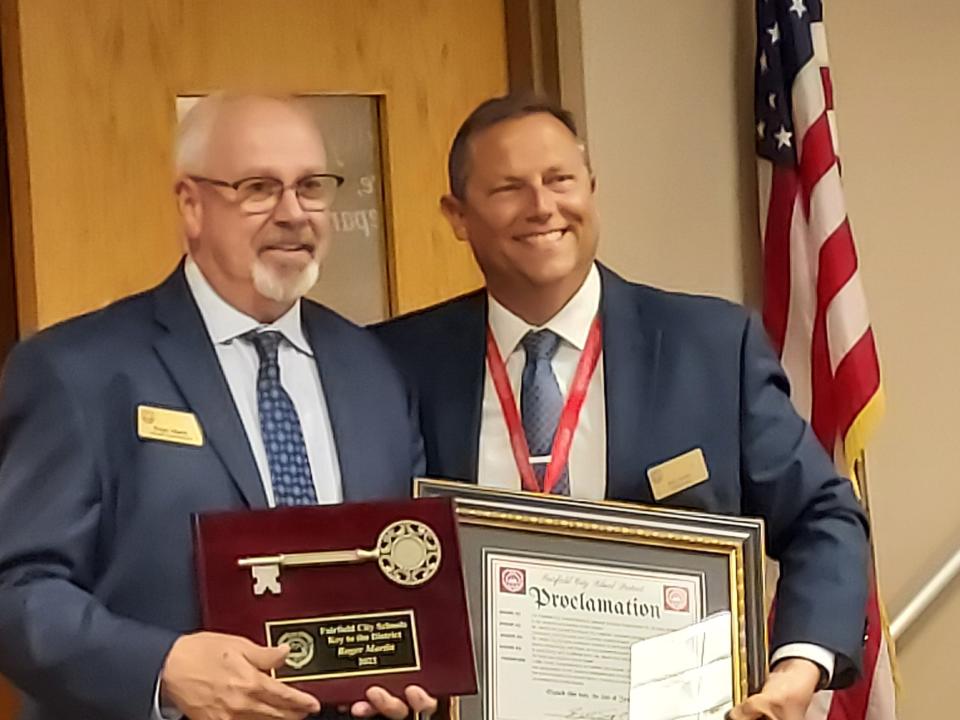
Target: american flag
<point x="814" y="306"/>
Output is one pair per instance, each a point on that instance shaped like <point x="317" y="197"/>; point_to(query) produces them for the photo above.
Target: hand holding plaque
<point x="363" y="594"/>
<point x="212" y="675"/>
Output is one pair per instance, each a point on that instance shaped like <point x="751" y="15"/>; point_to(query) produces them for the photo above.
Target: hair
<point x="195" y="130"/>
<point x="493" y="112"/>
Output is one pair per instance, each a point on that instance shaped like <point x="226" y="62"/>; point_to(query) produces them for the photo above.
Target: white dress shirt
<point x="587" y="465"/>
<point x="298" y="375"/>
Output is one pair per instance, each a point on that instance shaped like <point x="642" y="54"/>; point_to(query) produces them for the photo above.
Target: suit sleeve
<point x="59" y="642"/>
<point x="815" y="526"/>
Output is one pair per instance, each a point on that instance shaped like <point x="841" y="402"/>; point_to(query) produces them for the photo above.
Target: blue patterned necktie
<point x="280" y="428"/>
<point x="541" y="403"/>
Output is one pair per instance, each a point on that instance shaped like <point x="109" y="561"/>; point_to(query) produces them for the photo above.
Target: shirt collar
<point x="572" y="323"/>
<point x="225" y="323"/>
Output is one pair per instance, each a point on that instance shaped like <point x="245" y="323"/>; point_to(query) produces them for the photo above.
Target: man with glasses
<point x="219" y="389"/>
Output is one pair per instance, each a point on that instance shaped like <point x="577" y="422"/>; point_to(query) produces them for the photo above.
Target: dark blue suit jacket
<point x="680" y="372"/>
<point x="96" y="566"/>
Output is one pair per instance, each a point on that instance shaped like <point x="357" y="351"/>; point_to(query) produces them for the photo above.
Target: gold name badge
<point x="679" y="473"/>
<point x="174" y="426"/>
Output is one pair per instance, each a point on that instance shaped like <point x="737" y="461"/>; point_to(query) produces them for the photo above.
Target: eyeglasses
<point x="262" y="194"/>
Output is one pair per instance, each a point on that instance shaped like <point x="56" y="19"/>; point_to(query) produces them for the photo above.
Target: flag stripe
<point x="764" y="190"/>
<point x="784" y="187"/>
<point x="827" y="212"/>
<point x="821" y="52"/>
<point x="818" y="156"/>
<point x="838" y="263"/>
<point x="834" y="136"/>
<point x="822" y="410"/>
<point x="858" y="374"/>
<point x="881" y="704"/>
<point x="801" y="314"/>
<point x="827" y="86"/>
<point x="847" y="321"/>
<point x="809" y="103"/>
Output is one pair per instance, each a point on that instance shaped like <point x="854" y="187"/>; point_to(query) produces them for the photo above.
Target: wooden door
<point x="90" y="90"/>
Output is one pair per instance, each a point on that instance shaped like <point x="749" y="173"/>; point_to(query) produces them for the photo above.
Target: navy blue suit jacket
<point x="96" y="559"/>
<point x="680" y="372"/>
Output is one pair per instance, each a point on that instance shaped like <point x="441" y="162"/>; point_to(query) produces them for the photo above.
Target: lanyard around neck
<point x="569" y="417"/>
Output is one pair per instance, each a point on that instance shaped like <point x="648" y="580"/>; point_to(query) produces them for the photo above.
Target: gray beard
<point x="284" y="287"/>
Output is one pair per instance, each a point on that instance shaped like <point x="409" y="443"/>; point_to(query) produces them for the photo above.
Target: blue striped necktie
<point x="541" y="403"/>
<point x="280" y="427"/>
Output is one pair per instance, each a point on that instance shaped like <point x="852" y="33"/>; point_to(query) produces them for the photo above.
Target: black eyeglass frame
<point x="235" y="186"/>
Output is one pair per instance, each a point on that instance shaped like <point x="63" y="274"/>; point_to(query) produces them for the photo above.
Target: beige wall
<point x="668" y="99"/>
<point x="668" y="112"/>
<point x="895" y="67"/>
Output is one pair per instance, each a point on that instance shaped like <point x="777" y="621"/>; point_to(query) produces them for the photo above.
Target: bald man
<point x="98" y="605"/>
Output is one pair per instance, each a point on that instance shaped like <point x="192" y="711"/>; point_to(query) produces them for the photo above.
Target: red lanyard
<point x="562" y="441"/>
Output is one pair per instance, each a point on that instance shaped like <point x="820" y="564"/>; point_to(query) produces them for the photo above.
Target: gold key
<point x="407" y="551"/>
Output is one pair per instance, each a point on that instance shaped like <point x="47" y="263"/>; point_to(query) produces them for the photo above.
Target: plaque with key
<point x="362" y="593"/>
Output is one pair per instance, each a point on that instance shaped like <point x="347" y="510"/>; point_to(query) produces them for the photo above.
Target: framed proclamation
<point x="586" y="609"/>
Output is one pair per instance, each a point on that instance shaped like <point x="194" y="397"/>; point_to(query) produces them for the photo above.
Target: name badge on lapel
<point x="676" y="474"/>
<point x="174" y="426"/>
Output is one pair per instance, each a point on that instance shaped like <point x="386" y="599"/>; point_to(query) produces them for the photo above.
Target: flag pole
<point x="860" y="471"/>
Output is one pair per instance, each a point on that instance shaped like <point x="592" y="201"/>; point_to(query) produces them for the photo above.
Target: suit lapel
<point x="187" y="353"/>
<point x="631" y="355"/>
<point x="349" y="425"/>
<point x="457" y="392"/>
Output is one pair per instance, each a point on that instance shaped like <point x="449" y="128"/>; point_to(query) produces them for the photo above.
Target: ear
<point x="189" y="205"/>
<point x="453" y="209"/>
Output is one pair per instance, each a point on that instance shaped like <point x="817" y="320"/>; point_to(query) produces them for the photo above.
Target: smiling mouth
<point x="290" y="248"/>
<point x="546" y="236"/>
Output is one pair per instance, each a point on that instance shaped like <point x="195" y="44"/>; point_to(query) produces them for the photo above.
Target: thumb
<point x="266" y="658"/>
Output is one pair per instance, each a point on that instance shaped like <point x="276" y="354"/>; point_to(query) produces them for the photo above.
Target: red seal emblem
<point x="676" y="599"/>
<point x="513" y="580"/>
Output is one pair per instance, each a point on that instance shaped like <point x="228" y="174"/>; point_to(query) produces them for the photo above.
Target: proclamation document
<point x="558" y="633"/>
